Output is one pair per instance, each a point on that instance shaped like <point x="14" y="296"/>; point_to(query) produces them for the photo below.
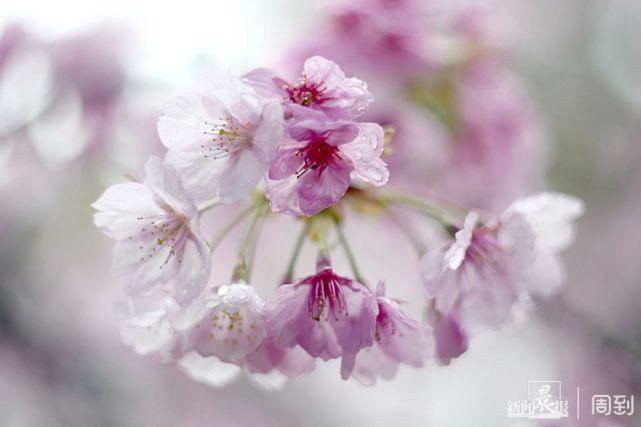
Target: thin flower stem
<point x="407" y="231"/>
<point x="208" y="205"/>
<point x="241" y="270"/>
<point x="253" y="245"/>
<point x="289" y="274"/>
<point x="220" y="236"/>
<point x="348" y="252"/>
<point x="416" y="203"/>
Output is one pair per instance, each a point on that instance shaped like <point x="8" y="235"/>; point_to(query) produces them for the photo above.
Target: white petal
<point x="183" y="123"/>
<point x="200" y="175"/>
<point x="166" y="182"/>
<point x="365" y="152"/>
<point x="242" y="174"/>
<point x="209" y="370"/>
<point x="456" y="253"/>
<point x="269" y="382"/>
<point x="120" y="206"/>
<point x="550" y="215"/>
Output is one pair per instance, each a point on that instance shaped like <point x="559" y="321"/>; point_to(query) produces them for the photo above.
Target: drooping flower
<point x="157" y="233"/>
<point x="269" y="376"/>
<point x="314" y="170"/>
<point x="225" y="322"/>
<point x="225" y="334"/>
<point x="551" y="217"/>
<point x="450" y="340"/>
<point x="146" y="325"/>
<point x="489" y="270"/>
<point x="398" y="339"/>
<point x="322" y="87"/>
<point x="222" y="140"/>
<point x="329" y="316"/>
<point x="291" y="362"/>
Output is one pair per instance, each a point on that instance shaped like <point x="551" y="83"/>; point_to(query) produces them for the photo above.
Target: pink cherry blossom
<point x="477" y="275"/>
<point x="314" y="170"/>
<point x="450" y="339"/>
<point x="268" y="357"/>
<point x="327" y="315"/>
<point x="489" y="270"/>
<point x="551" y="217"/>
<point x="322" y="87"/>
<point x="398" y="339"/>
<point x="146" y="325"/>
<point x="225" y="326"/>
<point x="226" y="322"/>
<point x="364" y="31"/>
<point x="157" y="233"/>
<point x="221" y="140"/>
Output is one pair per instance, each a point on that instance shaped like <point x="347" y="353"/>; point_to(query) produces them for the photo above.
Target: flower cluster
<point x="301" y="139"/>
<point x="297" y="148"/>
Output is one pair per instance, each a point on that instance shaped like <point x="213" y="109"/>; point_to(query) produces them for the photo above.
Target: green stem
<point x="289" y="274"/>
<point x="220" y="236"/>
<point x="348" y="252"/>
<point x="417" y="204"/>
<point x="253" y="246"/>
<point x="241" y="269"/>
<point x="407" y="231"/>
<point x="208" y="205"/>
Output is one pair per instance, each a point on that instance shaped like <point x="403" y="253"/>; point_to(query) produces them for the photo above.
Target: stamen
<point x="326" y="293"/>
<point x="306" y="93"/>
<point x="317" y="156"/>
<point x="162" y="232"/>
<point x="227" y="136"/>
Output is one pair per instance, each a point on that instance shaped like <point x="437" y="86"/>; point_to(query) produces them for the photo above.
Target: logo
<point x="544" y="402"/>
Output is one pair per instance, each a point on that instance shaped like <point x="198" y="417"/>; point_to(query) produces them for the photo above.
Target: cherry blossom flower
<point x="225" y="322"/>
<point x="323" y="87"/>
<point x="398" y="339"/>
<point x="489" y="270"/>
<point x="477" y="275"/>
<point x="450" y="339"/>
<point x="221" y="140"/>
<point x="329" y="316"/>
<point x="364" y="31"/>
<point x="156" y="229"/>
<point x="146" y="325"/>
<point x="268" y="357"/>
<point x="551" y="217"/>
<point x="314" y="170"/>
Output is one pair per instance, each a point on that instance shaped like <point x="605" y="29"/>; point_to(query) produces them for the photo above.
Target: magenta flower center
<point x="306" y="93"/>
<point x="483" y="248"/>
<point x="317" y="155"/>
<point x="326" y="295"/>
<point x="384" y="325"/>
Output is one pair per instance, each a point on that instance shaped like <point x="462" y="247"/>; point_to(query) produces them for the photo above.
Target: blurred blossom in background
<point x="489" y="101"/>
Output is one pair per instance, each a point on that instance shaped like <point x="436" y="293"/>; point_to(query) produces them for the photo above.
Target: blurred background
<point x="548" y="90"/>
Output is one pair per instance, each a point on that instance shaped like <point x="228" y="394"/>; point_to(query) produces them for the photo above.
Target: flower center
<point x="227" y="136"/>
<point x="160" y="232"/>
<point x="306" y="93"/>
<point x="483" y="248"/>
<point x="317" y="156"/>
<point x="326" y="295"/>
<point x="384" y="326"/>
